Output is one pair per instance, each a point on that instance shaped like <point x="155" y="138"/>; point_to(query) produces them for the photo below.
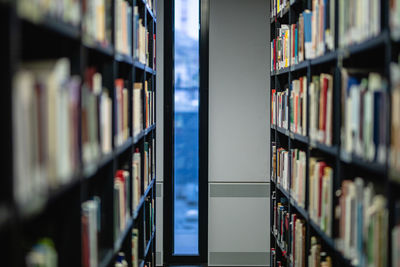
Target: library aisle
<point x="294" y="156"/>
<point x="335" y="136"/>
<point x="78" y="186"/>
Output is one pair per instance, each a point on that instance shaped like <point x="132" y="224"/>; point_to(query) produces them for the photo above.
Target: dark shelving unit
<point x="59" y="216"/>
<point x="343" y="165"/>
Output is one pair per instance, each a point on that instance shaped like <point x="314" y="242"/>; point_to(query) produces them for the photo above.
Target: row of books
<point x="123" y="27"/>
<point x="47" y="103"/>
<point x="282" y="168"/>
<point x="320" y="105"/>
<point x="365" y="115"/>
<point x="298" y="241"/>
<point x="298" y="106"/>
<point x="122" y="211"/>
<point x="276" y="6"/>
<point x="45" y="110"/>
<point x="280" y="108"/>
<point x="297" y="170"/>
<point x="395" y="235"/>
<point x="358" y="20"/>
<point x="142" y="39"/>
<point x="149" y="162"/>
<point x="362" y="221"/>
<point x="311" y="36"/>
<point x="281" y="222"/>
<point x="292" y="108"/>
<point x="317" y="257"/>
<point x="91" y="227"/>
<point x="395" y="19"/>
<point x="142" y="115"/>
<point x="96" y="22"/>
<point x="121" y="112"/>
<point x="43" y="253"/>
<point x="68" y="11"/>
<point x="96" y="115"/>
<point x="320" y="194"/>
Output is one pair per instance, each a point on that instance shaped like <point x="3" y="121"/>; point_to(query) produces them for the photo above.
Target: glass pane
<point x="186" y="127"/>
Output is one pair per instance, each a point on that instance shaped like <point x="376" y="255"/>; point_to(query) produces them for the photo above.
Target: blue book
<point x="307" y="34"/>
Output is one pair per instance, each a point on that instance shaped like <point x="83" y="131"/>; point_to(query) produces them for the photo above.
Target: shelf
<point x="375" y="167"/>
<point x="326" y="239"/>
<point x="106" y="50"/>
<point x="124" y="147"/>
<point x="148" y="246"/>
<point x="123" y="235"/>
<point x="149" y="129"/>
<point x="300" y="66"/>
<point x="331" y="150"/>
<point x="299" y="137"/>
<point x="330" y="56"/>
<point x="143" y="198"/>
<point x="284" y="11"/>
<point x="107" y="259"/>
<point x="143" y="67"/>
<point x="300" y="209"/>
<point x="56" y="26"/>
<point x="282" y="71"/>
<point x="143" y="133"/>
<point x="366" y="45"/>
<point x="282" y="130"/>
<point x="123" y="58"/>
<point x="283" y="191"/>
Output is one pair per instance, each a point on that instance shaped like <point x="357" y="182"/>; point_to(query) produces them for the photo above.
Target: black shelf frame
<point x="94" y="178"/>
<point x="341" y="57"/>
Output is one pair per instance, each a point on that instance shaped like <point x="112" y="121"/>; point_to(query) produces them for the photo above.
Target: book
<point x="43" y="253"/>
<point x="317" y="257"/>
<point x="137" y="108"/>
<point x="320" y="105"/>
<point x="121" y="108"/>
<point x="45" y="111"/>
<point x="395" y="236"/>
<point x="394" y="20"/>
<point x="123" y="27"/>
<point x="298" y="104"/>
<point x="320" y="194"/>
<point x="298" y="179"/>
<point x="280" y="112"/>
<point x="282" y="165"/>
<point x="121" y="197"/>
<point x="365" y="117"/>
<point x="395" y="122"/>
<point x="97" y="21"/>
<point x="135" y="247"/>
<point x="141" y="47"/>
<point x="358" y="21"/>
<point x="66" y="11"/>
<point x="281" y="223"/>
<point x="136" y="173"/>
<point x="90" y="231"/>
<point x="362" y="218"/>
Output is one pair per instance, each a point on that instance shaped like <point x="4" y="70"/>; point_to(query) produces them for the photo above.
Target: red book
<point x="85" y="242"/>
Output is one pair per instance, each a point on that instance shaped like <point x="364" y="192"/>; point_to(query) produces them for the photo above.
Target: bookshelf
<point x="342" y="154"/>
<point x="92" y="201"/>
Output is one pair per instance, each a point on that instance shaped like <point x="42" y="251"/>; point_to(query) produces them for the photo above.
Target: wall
<point x="239" y="134"/>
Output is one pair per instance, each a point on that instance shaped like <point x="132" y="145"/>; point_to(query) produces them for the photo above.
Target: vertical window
<point x="186" y="162"/>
